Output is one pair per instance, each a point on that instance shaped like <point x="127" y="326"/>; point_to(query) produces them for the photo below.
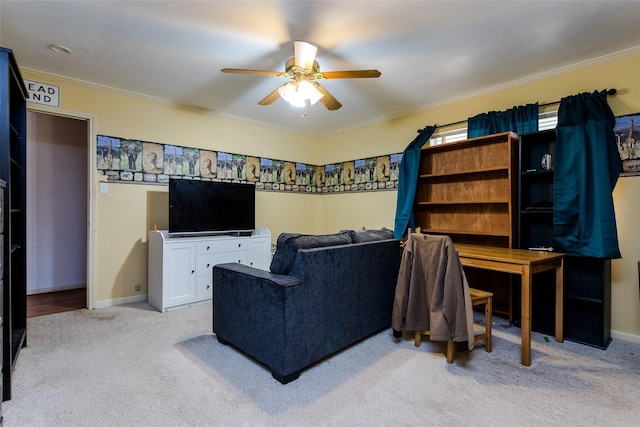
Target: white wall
<point x="56" y="203"/>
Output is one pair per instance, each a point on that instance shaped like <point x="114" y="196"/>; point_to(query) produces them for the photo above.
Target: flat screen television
<point x="209" y="207"/>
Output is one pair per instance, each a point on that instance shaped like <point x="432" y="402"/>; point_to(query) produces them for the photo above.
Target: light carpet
<point x="133" y="366"/>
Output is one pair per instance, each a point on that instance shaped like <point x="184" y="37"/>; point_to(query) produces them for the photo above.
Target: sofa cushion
<point x="371" y="235"/>
<point x="288" y="244"/>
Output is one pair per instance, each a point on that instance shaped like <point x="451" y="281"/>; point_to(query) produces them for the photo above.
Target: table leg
<point x="525" y="326"/>
<point x="560" y="301"/>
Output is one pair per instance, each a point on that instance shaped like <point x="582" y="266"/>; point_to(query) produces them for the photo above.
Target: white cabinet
<point x="181" y="268"/>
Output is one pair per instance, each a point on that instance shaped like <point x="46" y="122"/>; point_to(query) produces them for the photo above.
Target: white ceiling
<point x="429" y="52"/>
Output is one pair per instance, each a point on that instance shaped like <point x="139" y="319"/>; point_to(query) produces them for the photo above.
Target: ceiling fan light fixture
<point x="298" y="93"/>
<point x="310" y="92"/>
<point x="289" y="92"/>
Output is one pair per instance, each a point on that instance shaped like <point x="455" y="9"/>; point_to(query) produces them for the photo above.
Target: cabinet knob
<point x="208" y="247"/>
<point x="239" y="244"/>
<point x="193" y="271"/>
<point x="208" y="265"/>
<point x="208" y="286"/>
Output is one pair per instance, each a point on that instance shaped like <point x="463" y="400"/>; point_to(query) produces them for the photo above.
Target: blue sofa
<point x="323" y="293"/>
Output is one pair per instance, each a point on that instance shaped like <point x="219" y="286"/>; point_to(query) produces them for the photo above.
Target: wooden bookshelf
<point x="468" y="190"/>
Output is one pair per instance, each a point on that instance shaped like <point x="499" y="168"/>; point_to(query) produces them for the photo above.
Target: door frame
<point x="92" y="175"/>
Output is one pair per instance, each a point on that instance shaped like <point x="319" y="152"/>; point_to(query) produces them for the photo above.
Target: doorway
<point x="57" y="213"/>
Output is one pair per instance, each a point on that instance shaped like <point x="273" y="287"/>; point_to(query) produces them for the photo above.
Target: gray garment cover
<point x="432" y="293"/>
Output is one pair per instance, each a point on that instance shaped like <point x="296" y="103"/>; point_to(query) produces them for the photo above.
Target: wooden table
<point x="524" y="263"/>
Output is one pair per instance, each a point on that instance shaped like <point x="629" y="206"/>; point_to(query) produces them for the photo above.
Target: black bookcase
<point x="587" y="283"/>
<point x="13" y="129"/>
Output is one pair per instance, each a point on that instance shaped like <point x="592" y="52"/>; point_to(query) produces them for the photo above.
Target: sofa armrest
<point x="235" y="268"/>
<point x="250" y="311"/>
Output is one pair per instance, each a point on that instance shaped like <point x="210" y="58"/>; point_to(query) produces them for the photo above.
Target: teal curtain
<point x="587" y="166"/>
<point x="407" y="181"/>
<point x="521" y="119"/>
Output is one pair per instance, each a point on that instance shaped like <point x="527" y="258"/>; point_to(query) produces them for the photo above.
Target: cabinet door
<point x="260" y="253"/>
<point x="180" y="275"/>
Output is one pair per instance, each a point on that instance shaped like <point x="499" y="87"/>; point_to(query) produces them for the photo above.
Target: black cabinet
<point x="13" y="116"/>
<point x="535" y="191"/>
<point x="2" y="186"/>
<point x="587" y="284"/>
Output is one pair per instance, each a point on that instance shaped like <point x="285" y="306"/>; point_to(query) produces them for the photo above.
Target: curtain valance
<point x="520" y="119"/>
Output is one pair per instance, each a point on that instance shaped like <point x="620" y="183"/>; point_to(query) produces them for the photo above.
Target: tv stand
<point x="181" y="268"/>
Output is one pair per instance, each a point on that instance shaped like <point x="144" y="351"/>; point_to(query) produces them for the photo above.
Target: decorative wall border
<point x="133" y="161"/>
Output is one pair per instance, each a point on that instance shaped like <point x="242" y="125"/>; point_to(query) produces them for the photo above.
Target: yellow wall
<point x="126" y="213"/>
<point x="391" y="137"/>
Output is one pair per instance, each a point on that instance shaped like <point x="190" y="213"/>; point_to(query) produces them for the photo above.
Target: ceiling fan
<point x="304" y="70"/>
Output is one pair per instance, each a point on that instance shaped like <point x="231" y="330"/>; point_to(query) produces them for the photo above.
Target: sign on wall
<point x="42" y="93"/>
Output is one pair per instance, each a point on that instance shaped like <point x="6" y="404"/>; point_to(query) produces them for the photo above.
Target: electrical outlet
<point x="138" y="288"/>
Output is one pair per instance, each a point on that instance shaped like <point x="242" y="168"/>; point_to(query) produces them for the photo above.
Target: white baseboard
<point x="625" y="337"/>
<point x="119" y="301"/>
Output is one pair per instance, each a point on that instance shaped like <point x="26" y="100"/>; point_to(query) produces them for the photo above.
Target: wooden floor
<point x="56" y="302"/>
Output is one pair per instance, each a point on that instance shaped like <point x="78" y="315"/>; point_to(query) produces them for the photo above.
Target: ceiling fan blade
<point x="244" y="71"/>
<point x="353" y="74"/>
<point x="271" y="98"/>
<point x="304" y="54"/>
<point x="327" y="100"/>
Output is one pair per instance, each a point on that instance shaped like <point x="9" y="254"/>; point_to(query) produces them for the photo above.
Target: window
<point x="546" y="120"/>
<point x="452" y="135"/>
